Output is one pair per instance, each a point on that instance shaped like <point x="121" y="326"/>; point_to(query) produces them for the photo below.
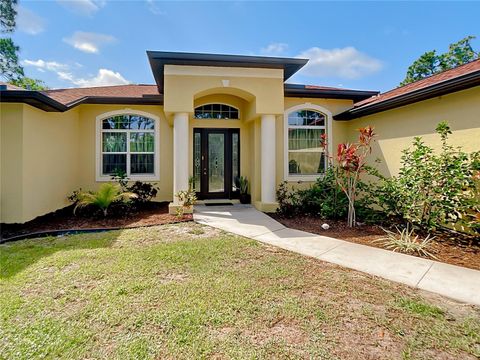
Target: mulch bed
<point x="154" y="213"/>
<point x="443" y="247"/>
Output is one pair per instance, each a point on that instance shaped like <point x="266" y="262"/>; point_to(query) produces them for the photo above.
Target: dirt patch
<point x="166" y="278"/>
<point x="154" y="213"/>
<point x="445" y="248"/>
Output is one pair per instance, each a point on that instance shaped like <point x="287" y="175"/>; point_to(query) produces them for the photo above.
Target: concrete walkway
<point x="456" y="282"/>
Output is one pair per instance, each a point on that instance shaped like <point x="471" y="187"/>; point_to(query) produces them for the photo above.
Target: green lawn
<point x="188" y="291"/>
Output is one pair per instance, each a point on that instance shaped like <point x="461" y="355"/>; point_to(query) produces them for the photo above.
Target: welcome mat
<point x="219" y="204"/>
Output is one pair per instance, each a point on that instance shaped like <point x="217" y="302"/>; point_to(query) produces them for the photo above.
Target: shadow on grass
<point x="17" y="256"/>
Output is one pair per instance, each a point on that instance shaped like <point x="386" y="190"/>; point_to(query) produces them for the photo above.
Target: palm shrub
<point x="106" y="195"/>
<point x="404" y="240"/>
<point x="434" y="190"/>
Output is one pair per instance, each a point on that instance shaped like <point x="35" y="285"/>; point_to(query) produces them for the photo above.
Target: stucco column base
<point x="266" y="207"/>
<point x="173" y="209"/>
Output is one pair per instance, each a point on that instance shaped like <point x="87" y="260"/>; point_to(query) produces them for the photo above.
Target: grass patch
<point x="188" y="291"/>
<point x="419" y="307"/>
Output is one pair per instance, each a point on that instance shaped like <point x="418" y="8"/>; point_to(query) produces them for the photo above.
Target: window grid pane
<point x="216" y="111"/>
<point x="141" y="163"/>
<point x="129" y="146"/>
<point x="305" y="152"/>
<point x="113" y="163"/>
<point x="142" y="142"/>
<point x="114" y="142"/>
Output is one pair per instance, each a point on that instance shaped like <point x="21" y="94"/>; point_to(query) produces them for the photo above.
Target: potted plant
<point x="187" y="198"/>
<point x="245" y="197"/>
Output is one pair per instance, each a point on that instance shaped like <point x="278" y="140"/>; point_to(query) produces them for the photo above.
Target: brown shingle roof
<point x="69" y="96"/>
<point x="446" y="82"/>
<point x="424" y="83"/>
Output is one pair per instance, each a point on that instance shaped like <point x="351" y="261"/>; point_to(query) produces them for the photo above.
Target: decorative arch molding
<point x="328" y="130"/>
<point x="233" y="91"/>
<point x="99" y="176"/>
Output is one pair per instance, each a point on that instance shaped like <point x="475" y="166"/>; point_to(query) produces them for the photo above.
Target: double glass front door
<point x="216" y="163"/>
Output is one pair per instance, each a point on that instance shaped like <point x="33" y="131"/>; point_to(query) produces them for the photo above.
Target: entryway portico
<point x="254" y="87"/>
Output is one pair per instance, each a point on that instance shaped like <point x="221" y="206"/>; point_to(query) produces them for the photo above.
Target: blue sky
<point x="360" y="45"/>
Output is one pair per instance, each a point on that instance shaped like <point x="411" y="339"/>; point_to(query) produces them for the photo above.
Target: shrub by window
<point x="128" y="145"/>
<point x="305" y="153"/>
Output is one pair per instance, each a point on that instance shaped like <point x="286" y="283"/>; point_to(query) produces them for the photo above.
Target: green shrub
<point x="145" y="191"/>
<point x="287" y="199"/>
<point x="324" y="199"/>
<point x="106" y="195"/>
<point x="434" y="190"/>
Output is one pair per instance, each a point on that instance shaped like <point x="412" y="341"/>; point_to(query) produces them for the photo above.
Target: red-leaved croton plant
<point x="351" y="160"/>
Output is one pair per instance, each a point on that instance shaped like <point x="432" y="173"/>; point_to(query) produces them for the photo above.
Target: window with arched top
<point x="216" y="111"/>
<point x="127" y="143"/>
<point x="305" y="155"/>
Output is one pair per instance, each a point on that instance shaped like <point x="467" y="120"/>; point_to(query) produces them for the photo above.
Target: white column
<point x="267" y="173"/>
<point x="180" y="153"/>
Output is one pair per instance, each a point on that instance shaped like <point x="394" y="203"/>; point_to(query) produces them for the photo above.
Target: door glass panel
<point x="197" y="161"/>
<point x="216" y="162"/>
<point x="235" y="162"/>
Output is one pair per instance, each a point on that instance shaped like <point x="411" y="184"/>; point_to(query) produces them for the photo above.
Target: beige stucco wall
<point x="397" y="127"/>
<point x="261" y="88"/>
<point x="45" y="156"/>
<point x="39" y="161"/>
<point x="50" y="160"/>
<point x="11" y="169"/>
<point x="87" y="137"/>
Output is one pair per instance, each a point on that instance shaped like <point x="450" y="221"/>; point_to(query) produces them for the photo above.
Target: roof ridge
<point x="97" y="87"/>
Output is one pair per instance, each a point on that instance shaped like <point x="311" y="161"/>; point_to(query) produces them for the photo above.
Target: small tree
<point x="351" y="162"/>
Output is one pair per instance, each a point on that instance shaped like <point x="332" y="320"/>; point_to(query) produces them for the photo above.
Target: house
<point x="213" y="117"/>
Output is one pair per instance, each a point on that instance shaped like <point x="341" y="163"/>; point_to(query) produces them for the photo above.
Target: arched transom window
<point x="216" y="111"/>
<point x="128" y="144"/>
<point x="305" y="154"/>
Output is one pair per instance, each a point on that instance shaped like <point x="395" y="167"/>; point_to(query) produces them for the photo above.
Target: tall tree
<point x="10" y="68"/>
<point x="430" y="63"/>
<point x="8" y="12"/>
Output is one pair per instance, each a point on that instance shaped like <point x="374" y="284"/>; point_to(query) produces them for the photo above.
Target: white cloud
<point x="82" y="7"/>
<point x="104" y="77"/>
<point x="43" y="65"/>
<point x="88" y="42"/>
<point x="347" y="63"/>
<point x="274" y="49"/>
<point x="29" y="22"/>
<point x="153" y="8"/>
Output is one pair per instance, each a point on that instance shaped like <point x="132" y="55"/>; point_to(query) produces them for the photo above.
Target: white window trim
<point x="98" y="145"/>
<point x="217" y="103"/>
<point x="328" y="130"/>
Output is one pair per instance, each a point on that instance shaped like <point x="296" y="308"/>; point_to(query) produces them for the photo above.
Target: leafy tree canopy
<point x="430" y="63"/>
<point x="10" y="69"/>
<point x="7" y="15"/>
<point x="30" y="84"/>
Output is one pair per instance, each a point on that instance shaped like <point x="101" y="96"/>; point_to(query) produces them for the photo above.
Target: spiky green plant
<point x="243" y="184"/>
<point x="406" y="242"/>
<point x="103" y="198"/>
